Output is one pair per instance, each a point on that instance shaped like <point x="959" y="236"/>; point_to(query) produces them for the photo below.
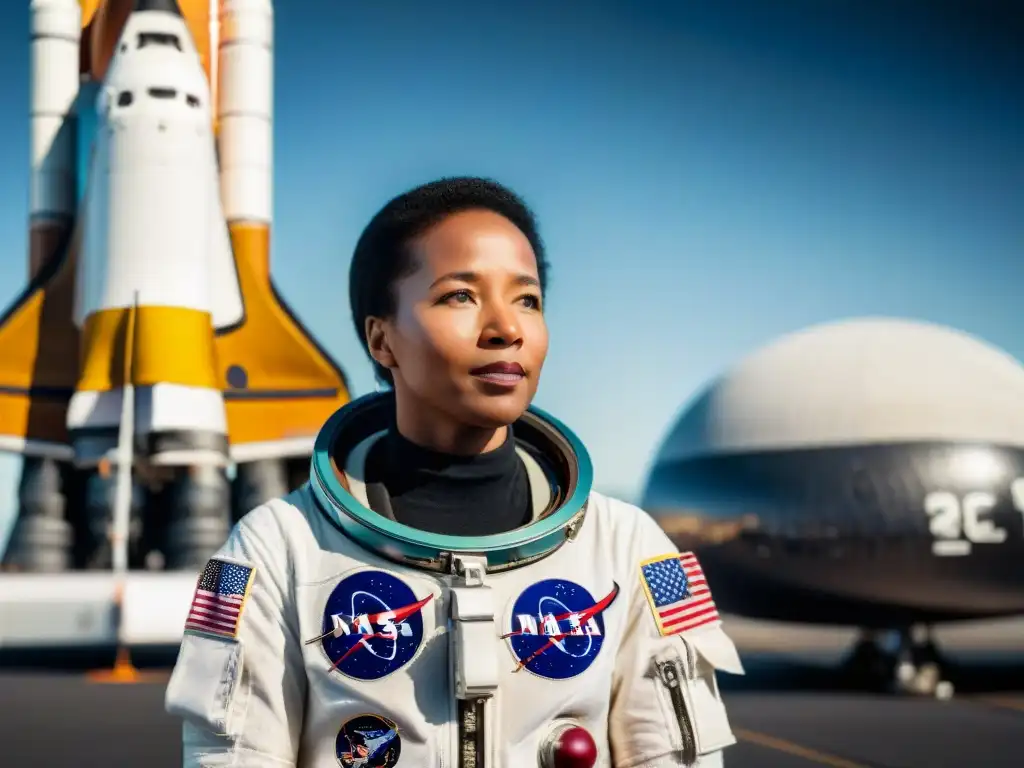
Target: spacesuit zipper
<point x="471" y="734"/>
<point x="671" y="673"/>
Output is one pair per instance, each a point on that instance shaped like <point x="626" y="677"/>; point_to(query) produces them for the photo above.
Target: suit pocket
<point x="206" y="686"/>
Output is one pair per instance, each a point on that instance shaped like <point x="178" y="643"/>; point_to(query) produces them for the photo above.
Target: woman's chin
<point x="495" y="412"/>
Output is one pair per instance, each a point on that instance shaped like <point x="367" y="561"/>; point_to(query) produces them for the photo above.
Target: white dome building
<point x="866" y="472"/>
<point x="857" y="382"/>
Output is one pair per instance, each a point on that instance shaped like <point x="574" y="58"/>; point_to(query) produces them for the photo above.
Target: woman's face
<point x="468" y="338"/>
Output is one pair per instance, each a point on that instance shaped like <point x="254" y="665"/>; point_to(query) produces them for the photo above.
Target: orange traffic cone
<point x="123" y="670"/>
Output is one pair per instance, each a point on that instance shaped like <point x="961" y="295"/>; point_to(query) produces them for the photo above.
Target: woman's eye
<point x="457" y="297"/>
<point x="531" y="301"/>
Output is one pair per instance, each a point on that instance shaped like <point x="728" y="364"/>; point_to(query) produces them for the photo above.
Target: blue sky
<point x="708" y="176"/>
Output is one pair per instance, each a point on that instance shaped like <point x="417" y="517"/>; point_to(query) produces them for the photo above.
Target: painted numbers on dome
<point x="556" y="628"/>
<point x="958" y="523"/>
<point x="368" y="741"/>
<point x="372" y="625"/>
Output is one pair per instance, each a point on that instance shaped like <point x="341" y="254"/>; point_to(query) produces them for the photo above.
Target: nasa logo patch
<point x="372" y="625"/>
<point x="368" y="741"/>
<point x="556" y="628"/>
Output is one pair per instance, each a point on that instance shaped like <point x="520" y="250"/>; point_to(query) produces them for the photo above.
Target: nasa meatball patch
<point x="556" y="628"/>
<point x="219" y="599"/>
<point x="368" y="741"/>
<point x="372" y="625"/>
<point x="678" y="593"/>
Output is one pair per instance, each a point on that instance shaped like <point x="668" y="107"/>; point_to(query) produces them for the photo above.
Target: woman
<point x="447" y="589"/>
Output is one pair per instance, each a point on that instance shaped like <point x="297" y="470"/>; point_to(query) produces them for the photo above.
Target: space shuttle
<point x="150" y="337"/>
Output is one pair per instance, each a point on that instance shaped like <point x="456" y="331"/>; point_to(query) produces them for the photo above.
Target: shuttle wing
<point x="39" y="354"/>
<point x="279" y="384"/>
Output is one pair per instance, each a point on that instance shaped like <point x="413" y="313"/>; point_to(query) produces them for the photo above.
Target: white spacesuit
<point x="323" y="633"/>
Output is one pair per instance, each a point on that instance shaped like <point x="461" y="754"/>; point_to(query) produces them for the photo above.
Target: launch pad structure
<point x="155" y="382"/>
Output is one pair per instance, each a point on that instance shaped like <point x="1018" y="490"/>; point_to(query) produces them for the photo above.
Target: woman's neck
<point x="438" y="432"/>
<point x="469" y="495"/>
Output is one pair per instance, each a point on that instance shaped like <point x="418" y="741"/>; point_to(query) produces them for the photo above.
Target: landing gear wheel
<point x="904" y="661"/>
<point x="868" y="665"/>
<point x="919" y="667"/>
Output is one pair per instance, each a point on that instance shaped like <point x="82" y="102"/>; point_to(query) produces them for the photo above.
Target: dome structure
<point x="869" y="472"/>
<point x="861" y="381"/>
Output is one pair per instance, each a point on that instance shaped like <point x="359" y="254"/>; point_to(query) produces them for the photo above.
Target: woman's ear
<point x="377" y="342"/>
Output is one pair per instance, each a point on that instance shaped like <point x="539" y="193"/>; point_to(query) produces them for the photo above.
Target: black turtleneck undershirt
<point x="455" y="495"/>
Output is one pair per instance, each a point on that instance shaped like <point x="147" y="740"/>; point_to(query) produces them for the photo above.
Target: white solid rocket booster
<point x="156" y="239"/>
<point x="56" y="31"/>
<point x="245" y="107"/>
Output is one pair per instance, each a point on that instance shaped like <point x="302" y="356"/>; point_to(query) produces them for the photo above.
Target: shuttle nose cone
<point x="167" y="6"/>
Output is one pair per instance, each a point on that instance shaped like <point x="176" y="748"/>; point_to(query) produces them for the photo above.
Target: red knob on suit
<point x="569" y="746"/>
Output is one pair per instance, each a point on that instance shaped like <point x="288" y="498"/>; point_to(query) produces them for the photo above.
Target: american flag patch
<point x="219" y="598"/>
<point x="678" y="593"/>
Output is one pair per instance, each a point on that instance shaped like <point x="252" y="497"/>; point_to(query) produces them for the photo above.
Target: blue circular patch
<point x="556" y="628"/>
<point x="368" y="741"/>
<point x="372" y="625"/>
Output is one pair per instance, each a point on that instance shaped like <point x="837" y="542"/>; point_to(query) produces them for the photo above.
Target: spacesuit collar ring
<point x="563" y="456"/>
